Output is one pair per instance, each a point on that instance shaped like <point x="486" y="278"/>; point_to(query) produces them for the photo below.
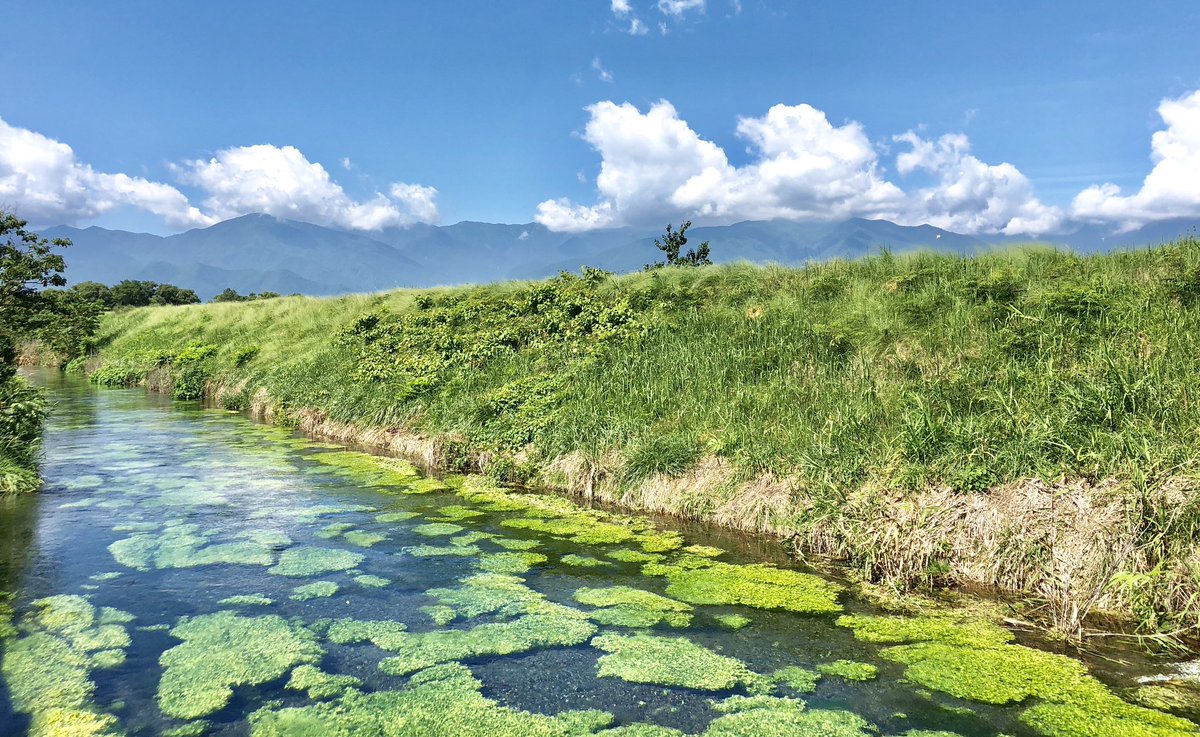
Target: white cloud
<point x="637" y="28"/>
<point x="1171" y="189"/>
<point x="45" y="182"/>
<point x="678" y="8"/>
<point x="970" y="196"/>
<point x="654" y="167"/>
<point x="280" y="181"/>
<point x="621" y="8"/>
<point x="601" y="72"/>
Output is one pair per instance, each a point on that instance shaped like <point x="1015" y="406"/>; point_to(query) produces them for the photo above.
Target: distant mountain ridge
<point x="256" y="253"/>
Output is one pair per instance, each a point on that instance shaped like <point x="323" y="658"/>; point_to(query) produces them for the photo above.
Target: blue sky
<point x="720" y="111"/>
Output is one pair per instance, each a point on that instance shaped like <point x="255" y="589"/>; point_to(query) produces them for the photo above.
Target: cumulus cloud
<point x="46" y="183"/>
<point x="970" y="196"/>
<point x="1171" y="189"/>
<point x="280" y="181"/>
<point x="654" y="167"/>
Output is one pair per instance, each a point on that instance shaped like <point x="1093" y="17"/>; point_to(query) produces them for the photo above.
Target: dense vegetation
<point x="891" y="375"/>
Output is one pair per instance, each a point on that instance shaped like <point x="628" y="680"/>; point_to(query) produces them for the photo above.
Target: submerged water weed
<point x="583" y="561"/>
<point x="185" y="546"/>
<point x="633" y="556"/>
<point x="470" y="538"/>
<point x="437" y="529"/>
<point x="849" y="670"/>
<point x="318" y="684"/>
<point x="246" y="600"/>
<point x="381" y="633"/>
<point x="801" y="680"/>
<point x="392" y="517"/>
<point x="789" y="721"/>
<point x="47" y="668"/>
<point x="509" y="543"/>
<point x="546" y="625"/>
<point x="371" y="581"/>
<point x="578" y="528"/>
<point x="734" y="704"/>
<point x="657" y="541"/>
<point x="369" y="470"/>
<point x="488" y="593"/>
<point x="640" y="729"/>
<point x="440" y="614"/>
<point x="668" y="661"/>
<point x="314" y="590"/>
<point x="224" y="650"/>
<point x="760" y="586"/>
<point x="704" y="551"/>
<point x="299" y="562"/>
<point x="443" y="701"/>
<point x="974" y="660"/>
<point x="363" y="539"/>
<point x="334" y="529"/>
<point x="732" y="621"/>
<point x="438" y="551"/>
<point x="457" y="513"/>
<point x="515" y="562"/>
<point x="623" y="606"/>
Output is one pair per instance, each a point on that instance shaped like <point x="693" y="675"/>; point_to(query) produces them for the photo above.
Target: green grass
<point x="892" y="372"/>
<point x="22" y="410"/>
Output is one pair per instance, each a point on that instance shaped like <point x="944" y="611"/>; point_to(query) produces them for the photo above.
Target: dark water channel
<point x="155" y="511"/>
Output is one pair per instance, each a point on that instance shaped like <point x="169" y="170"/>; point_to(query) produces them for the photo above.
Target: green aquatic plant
<point x="736" y="703"/>
<point x="247" y="600"/>
<point x="458" y="513"/>
<point x="196" y="728"/>
<point x="441" y="614"/>
<point x="640" y="729"/>
<point x="318" y="684"/>
<point x="513" y="562"/>
<point x="975" y="660"/>
<point x="796" y="678"/>
<point x="657" y="541"/>
<point x="582" y="561"/>
<point x="849" y="670"/>
<point x="107" y="576"/>
<point x="223" y="650"/>
<point x="472" y="537"/>
<point x="488" y="593"/>
<point x="547" y="625"/>
<point x="47" y="667"/>
<point x="185" y="546"/>
<point x="437" y="529"/>
<point x="947" y="629"/>
<point x="623" y="606"/>
<point x="382" y="633"/>
<point x="704" y="551"/>
<point x="369" y="470"/>
<point x="371" y="581"/>
<point x="306" y="561"/>
<point x="789" y="721"/>
<point x="314" y="590"/>
<point x="668" y="661"/>
<point x="363" y="539"/>
<point x="437" y="551"/>
<point x="732" y="621"/>
<point x="442" y="701"/>
<point x="633" y="556"/>
<point x="509" y="543"/>
<point x="334" y="529"/>
<point x="759" y="586"/>
<point x="392" y="517"/>
<point x="578" y="528"/>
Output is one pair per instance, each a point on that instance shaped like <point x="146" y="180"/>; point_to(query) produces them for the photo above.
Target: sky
<point x="1021" y="117"/>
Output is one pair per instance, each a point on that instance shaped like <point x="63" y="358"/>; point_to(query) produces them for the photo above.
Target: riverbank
<point x="1018" y="420"/>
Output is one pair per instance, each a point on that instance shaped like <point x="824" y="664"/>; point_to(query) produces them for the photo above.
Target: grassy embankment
<point x="1020" y="419"/>
<point x="22" y="409"/>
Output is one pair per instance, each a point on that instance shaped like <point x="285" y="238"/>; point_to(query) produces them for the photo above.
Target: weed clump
<point x="759" y="586"/>
<point x="305" y="561"/>
<point x="849" y="670"/>
<point x="668" y="661"/>
<point x="629" y="607"/>
<point x="224" y="650"/>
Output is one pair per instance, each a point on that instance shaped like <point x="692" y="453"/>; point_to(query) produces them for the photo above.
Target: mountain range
<point x="257" y="253"/>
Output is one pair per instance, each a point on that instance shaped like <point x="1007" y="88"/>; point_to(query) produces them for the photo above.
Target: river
<point x="189" y="571"/>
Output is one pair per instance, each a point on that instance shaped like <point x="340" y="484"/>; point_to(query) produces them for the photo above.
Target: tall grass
<point x="900" y="373"/>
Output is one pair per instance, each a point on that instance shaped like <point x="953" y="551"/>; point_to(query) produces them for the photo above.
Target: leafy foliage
<point x="672" y="243"/>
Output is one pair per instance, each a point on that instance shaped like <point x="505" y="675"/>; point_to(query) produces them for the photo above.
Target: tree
<point x="169" y="294"/>
<point x="93" y="291"/>
<point x="672" y="243"/>
<point x="133" y="293"/>
<point x="28" y="264"/>
<point x="229" y="295"/>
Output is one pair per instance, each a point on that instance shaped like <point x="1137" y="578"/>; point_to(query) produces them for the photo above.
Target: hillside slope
<point x="1025" y="420"/>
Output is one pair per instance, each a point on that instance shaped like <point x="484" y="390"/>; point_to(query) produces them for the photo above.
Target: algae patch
<point x="299" y="562"/>
<point x="224" y="650"/>
<point x="669" y="661"/>
<point x="764" y="587"/>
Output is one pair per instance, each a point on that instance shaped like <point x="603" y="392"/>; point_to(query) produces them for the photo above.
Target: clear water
<point x="125" y="458"/>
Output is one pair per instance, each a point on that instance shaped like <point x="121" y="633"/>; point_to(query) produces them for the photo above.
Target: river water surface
<point x="186" y="568"/>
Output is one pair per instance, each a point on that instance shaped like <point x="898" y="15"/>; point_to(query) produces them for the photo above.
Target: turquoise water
<point x="165" y="511"/>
